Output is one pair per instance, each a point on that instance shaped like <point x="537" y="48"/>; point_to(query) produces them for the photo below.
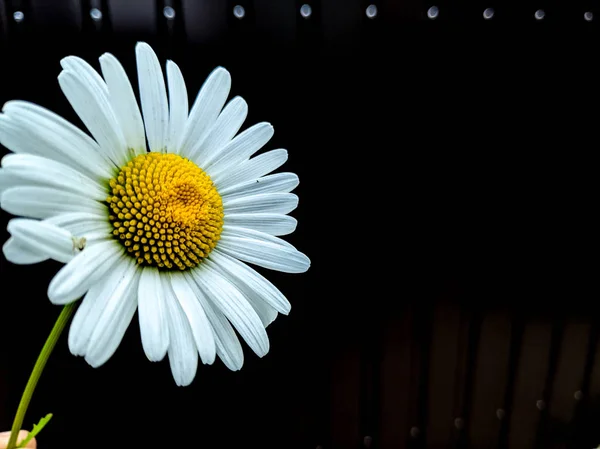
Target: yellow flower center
<point x="165" y="210"/>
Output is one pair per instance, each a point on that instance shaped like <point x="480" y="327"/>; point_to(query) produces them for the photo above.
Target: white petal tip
<point x="7" y="104"/>
<point x="303" y="264"/>
<point x="208" y="357"/>
<point x="64" y="74"/>
<point x="155" y="350"/>
<point x="57" y="296"/>
<point x="221" y="72"/>
<point x="238" y="99"/>
<point x="183" y="379"/>
<point x="94" y="363"/>
<point x="64" y="62"/>
<point x="143" y="46"/>
<point x="234" y="368"/>
<point x="155" y="357"/>
<point x="74" y="345"/>
<point x="76" y="352"/>
<point x="107" y="57"/>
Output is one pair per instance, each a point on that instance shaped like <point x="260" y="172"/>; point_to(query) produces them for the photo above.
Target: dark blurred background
<point x="448" y="188"/>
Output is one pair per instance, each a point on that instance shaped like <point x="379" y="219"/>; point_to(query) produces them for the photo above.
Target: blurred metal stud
<point x="539" y="14"/>
<point x="459" y="423"/>
<point x="414" y="432"/>
<point x="169" y="12"/>
<point x="96" y="14"/>
<point x="500" y="414"/>
<point x="578" y="395"/>
<point x="371" y="11"/>
<point x="588" y="16"/>
<point x="306" y="11"/>
<point x="368" y="441"/>
<point x="18" y="16"/>
<point x="488" y="13"/>
<point x="433" y="12"/>
<point x="541" y="405"/>
<point x="239" y="12"/>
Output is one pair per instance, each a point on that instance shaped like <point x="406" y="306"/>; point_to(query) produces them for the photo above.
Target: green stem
<point x="60" y="324"/>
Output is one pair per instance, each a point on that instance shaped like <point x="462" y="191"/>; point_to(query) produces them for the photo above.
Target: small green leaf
<point x="37" y="428"/>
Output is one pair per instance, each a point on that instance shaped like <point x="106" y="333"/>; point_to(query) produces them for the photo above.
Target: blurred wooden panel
<point x="205" y="20"/>
<point x="395" y="382"/>
<point x="276" y="20"/>
<point x="595" y="378"/>
<point x="345" y="400"/>
<point x="63" y="15"/>
<point x="529" y="388"/>
<point x="370" y="382"/>
<point x="570" y="372"/>
<point x="341" y="20"/>
<point x="443" y="366"/>
<point x="395" y="12"/>
<point x="133" y="17"/>
<point x="490" y="380"/>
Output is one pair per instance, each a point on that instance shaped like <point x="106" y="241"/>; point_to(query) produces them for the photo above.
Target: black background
<point x="450" y="155"/>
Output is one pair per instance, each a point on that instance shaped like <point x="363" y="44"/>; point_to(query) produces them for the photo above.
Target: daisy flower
<point x="159" y="212"/>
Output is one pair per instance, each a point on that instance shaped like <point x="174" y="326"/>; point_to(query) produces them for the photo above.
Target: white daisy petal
<point x="43" y="238"/>
<point x="152" y="313"/>
<point x="42" y="202"/>
<point x="21" y="255"/>
<point x="274" y="224"/>
<point x="27" y="169"/>
<point x="265" y="312"/>
<point x="178" y="105"/>
<point x="31" y="129"/>
<point x="251" y="283"/>
<point x="82" y="223"/>
<point x="200" y="326"/>
<point x="239" y="149"/>
<point x="86" y="72"/>
<point x="116" y="333"/>
<point x="265" y="254"/>
<point x="275" y="203"/>
<point x="251" y="169"/>
<point x="227" y="343"/>
<point x="245" y="233"/>
<point x="183" y="353"/>
<point x="111" y="325"/>
<point x="228" y="123"/>
<point x="153" y="97"/>
<point x="83" y="271"/>
<point x="6" y="180"/>
<point x="229" y="300"/>
<point x="88" y="311"/>
<point x="92" y="306"/>
<point x="94" y="110"/>
<point x="277" y="183"/>
<point x="206" y="108"/>
<point x="124" y="104"/>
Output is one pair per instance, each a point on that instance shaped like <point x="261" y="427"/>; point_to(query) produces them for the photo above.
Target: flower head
<point x="159" y="212"/>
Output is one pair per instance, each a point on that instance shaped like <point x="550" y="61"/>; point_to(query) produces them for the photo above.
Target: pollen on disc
<point x="165" y="210"/>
